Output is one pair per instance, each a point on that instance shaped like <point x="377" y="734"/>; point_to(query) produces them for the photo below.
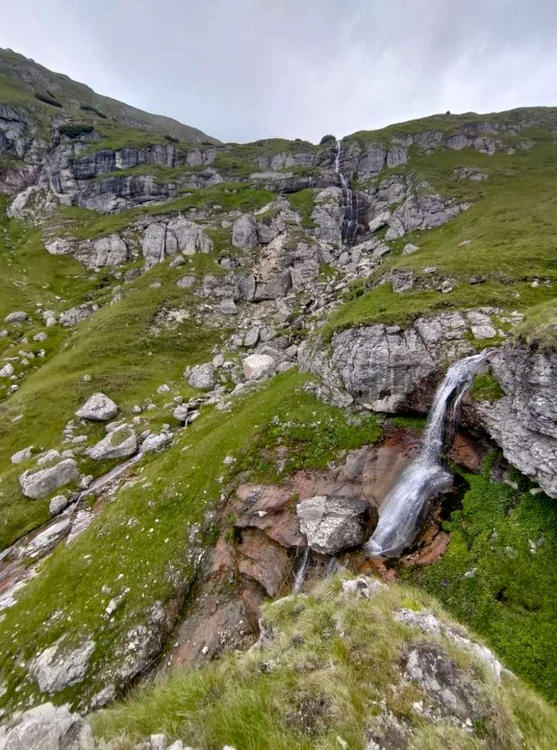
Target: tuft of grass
<point x="304" y="202"/>
<point x="486" y="388"/>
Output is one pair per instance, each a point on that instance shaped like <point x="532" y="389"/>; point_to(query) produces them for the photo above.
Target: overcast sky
<point x="247" y="69"/>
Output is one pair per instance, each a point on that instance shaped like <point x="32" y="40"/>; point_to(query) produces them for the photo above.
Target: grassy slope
<point x="508" y="539"/>
<point x="175" y="491"/>
<point x="511" y="229"/>
<point x="72" y="94"/>
<point x="120" y="351"/>
<point x="337" y="653"/>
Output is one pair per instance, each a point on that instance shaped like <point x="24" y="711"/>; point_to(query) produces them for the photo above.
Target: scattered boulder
<point x="48" y="539"/>
<point x="16" y="317"/>
<point x="58" y="504"/>
<point x="155" y="442"/>
<point x="7" y="371"/>
<point x="244" y="232"/>
<point x="202" y="376"/>
<point x="58" y="667"/>
<point x="76" y="315"/>
<point x="98" y="408"/>
<point x="120" y="443"/>
<point x="22" y="455"/>
<point x="39" y="484"/>
<point x="333" y="524"/>
<point x="186" y="282"/>
<point x="258" y="366"/>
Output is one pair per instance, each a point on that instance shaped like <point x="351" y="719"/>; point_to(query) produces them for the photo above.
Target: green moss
<point x="410" y="422"/>
<point x="486" y="388"/>
<point x="505" y="541"/>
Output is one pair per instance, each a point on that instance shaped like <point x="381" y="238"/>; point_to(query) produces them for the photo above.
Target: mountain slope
<point x="24" y="82"/>
<point x="190" y="283"/>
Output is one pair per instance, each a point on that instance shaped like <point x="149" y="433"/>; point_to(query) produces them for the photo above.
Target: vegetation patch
<point x="497" y="572"/>
<point x="330" y="677"/>
<point x="75" y="130"/>
<point x="304" y="202"/>
<point x="486" y="387"/>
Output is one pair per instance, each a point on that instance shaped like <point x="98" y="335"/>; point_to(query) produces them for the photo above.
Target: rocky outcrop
<point x="523" y="422"/>
<point x="386" y="366"/>
<point x="417" y="207"/>
<point x="47" y="727"/>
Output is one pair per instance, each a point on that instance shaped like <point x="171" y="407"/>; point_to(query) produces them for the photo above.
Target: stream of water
<point x="350" y="202"/>
<point x="404" y="507"/>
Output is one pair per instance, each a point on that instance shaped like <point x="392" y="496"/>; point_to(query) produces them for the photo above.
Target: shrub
<point x="90" y="108"/>
<point x="74" y="130"/>
<point x="327" y="139"/>
<point x="172" y="139"/>
<point x="48" y="99"/>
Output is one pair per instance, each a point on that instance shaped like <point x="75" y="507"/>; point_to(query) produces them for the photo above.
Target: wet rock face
<point x="333" y="524"/>
<point x="524" y="421"/>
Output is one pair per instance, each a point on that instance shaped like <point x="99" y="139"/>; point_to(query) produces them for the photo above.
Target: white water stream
<point x="350" y="202"/>
<point x="403" y="508"/>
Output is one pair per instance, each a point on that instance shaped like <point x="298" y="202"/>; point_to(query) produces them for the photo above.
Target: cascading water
<point x="300" y="577"/>
<point x="425" y="477"/>
<point x="350" y="202"/>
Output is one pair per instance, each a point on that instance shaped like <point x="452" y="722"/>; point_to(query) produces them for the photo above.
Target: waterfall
<point x="350" y="202"/>
<point x="300" y="576"/>
<point x="403" y="508"/>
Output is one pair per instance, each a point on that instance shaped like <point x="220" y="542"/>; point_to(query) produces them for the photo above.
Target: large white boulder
<point x="47" y="727"/>
<point x="58" y="667"/>
<point x="39" y="484"/>
<point x="244" y="232"/>
<point x="258" y="366"/>
<point x="120" y="443"/>
<point x="98" y="408"/>
<point x="333" y="524"/>
<point x="202" y="376"/>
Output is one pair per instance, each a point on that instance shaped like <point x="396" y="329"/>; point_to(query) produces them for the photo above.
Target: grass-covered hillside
<point x="335" y="670"/>
<point x="45" y="94"/>
<point x="499" y="252"/>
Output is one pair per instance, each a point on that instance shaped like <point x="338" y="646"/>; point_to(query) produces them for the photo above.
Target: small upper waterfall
<point x="350" y="202"/>
<point x="404" y="506"/>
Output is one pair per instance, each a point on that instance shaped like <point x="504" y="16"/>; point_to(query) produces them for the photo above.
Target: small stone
<point x="42" y="336"/>
<point x="186" y="282"/>
<point x="58" y="504"/>
<point x="228" y="307"/>
<point x="252" y="337"/>
<point x="7" y="371"/>
<point x="22" y="455"/>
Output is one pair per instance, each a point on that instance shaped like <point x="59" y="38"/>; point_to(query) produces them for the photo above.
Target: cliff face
<point x="160" y="279"/>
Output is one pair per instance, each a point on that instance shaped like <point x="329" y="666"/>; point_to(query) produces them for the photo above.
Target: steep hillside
<point x="216" y="362"/>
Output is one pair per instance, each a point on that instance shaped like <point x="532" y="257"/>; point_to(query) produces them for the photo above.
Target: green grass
<point x="340" y="657"/>
<point x="486" y="388"/>
<point x="539" y="327"/>
<point x="507" y="598"/>
<point x="176" y="489"/>
<point x="124" y="356"/>
<point x="304" y="202"/>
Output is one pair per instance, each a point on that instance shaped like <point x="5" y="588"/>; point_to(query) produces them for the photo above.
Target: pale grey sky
<point x="247" y="69"/>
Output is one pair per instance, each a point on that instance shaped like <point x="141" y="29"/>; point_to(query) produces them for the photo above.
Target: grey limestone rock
<point x="58" y="667"/>
<point x="244" y="232"/>
<point x="202" y="376"/>
<point x="39" y="484"/>
<point x="47" y="727"/>
<point x="258" y="366"/>
<point x="98" y="408"/>
<point x="333" y="524"/>
<point x="120" y="443"/>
